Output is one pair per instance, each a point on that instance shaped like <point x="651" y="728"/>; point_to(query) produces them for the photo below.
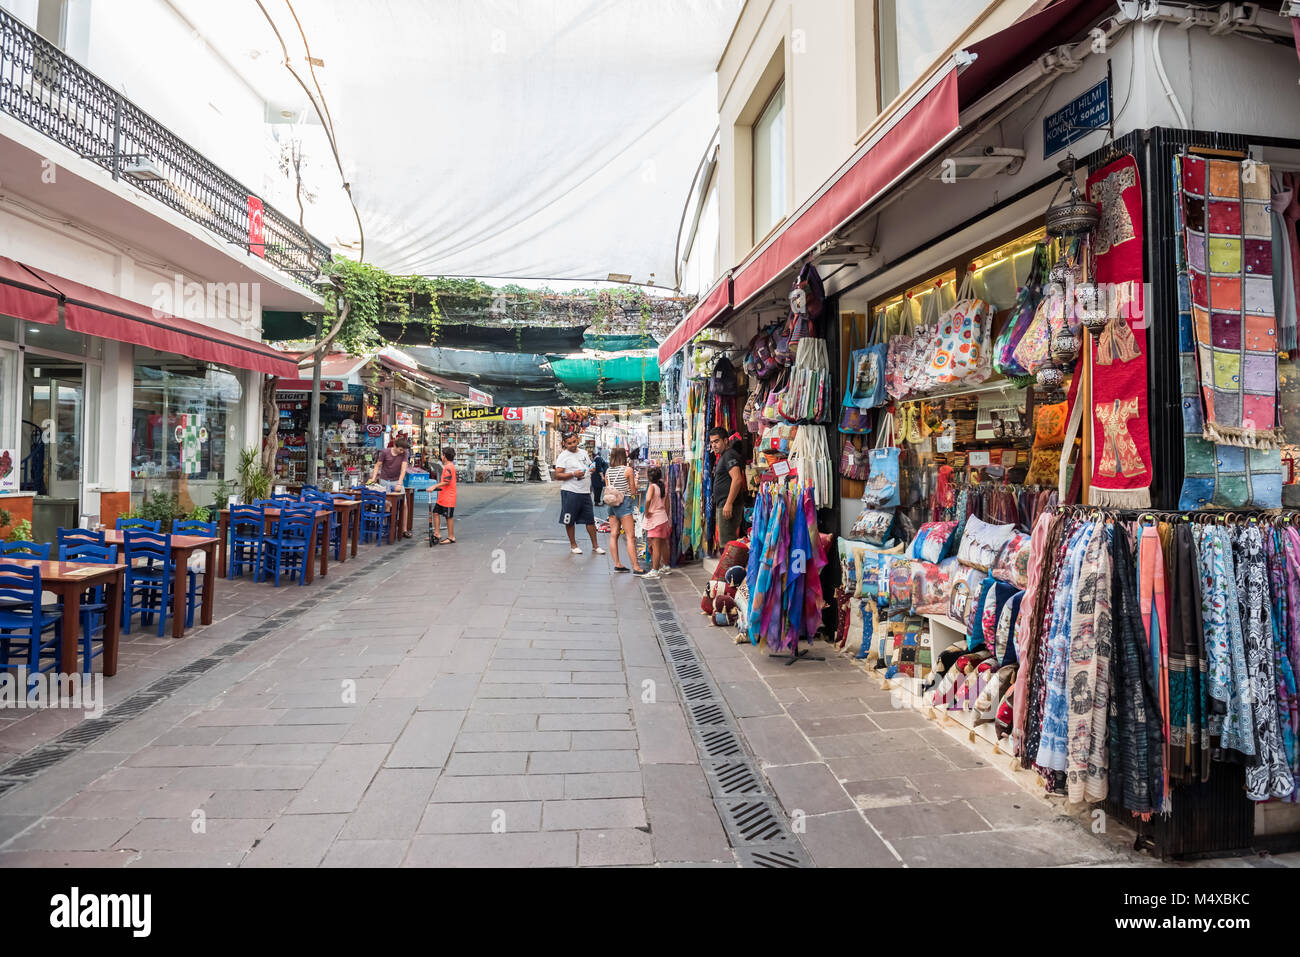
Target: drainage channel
<point x="751" y="815"/>
<point x="26" y="767"/>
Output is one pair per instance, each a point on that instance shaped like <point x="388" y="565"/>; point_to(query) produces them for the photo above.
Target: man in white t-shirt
<point x="573" y="468"/>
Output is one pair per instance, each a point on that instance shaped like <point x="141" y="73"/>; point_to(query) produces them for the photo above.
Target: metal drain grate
<point x="720" y="743"/>
<point x="688" y="671"/>
<point x="200" y="666"/>
<point x="40" y="759"/>
<point x="87" y="731"/>
<point x="708" y="714"/>
<point x="734" y="778"/>
<point x="772" y="857"/>
<point x="696" y="690"/>
<point x="134" y="705"/>
<point x="169" y="684"/>
<point x="755" y="825"/>
<point x="8" y="785"/>
<point x="755" y="820"/>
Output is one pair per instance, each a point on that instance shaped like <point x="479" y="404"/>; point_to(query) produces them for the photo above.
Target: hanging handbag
<point x="882" y="483"/>
<point x="865" y="388"/>
<point x="853" y="463"/>
<point x="1035" y="349"/>
<point x="1022" y="314"/>
<point x="959" y="336"/>
<point x="898" y="353"/>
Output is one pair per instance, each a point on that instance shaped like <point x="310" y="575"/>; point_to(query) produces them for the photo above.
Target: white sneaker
<point x="575" y="551"/>
<point x="652" y="573"/>
<point x="600" y="551"/>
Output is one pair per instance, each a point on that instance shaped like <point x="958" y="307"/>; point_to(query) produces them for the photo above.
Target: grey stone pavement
<point x="479" y="705"/>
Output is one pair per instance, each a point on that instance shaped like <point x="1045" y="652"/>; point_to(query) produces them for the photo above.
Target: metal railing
<point x="46" y="89"/>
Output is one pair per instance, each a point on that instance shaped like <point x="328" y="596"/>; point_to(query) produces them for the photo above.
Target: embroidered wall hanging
<point x="1228" y="240"/>
<point x="1214" y="476"/>
<point x="1121" y="434"/>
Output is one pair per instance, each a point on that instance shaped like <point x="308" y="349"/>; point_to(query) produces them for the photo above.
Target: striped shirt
<point x="616" y="478"/>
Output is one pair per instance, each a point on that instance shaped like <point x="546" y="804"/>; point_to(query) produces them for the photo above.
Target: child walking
<point x="657" y="524"/>
<point x="446" y="507"/>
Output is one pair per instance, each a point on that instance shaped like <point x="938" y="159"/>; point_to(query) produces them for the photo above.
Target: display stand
<point x="797" y="655"/>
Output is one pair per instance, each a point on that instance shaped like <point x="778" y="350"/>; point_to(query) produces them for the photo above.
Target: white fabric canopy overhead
<point x="518" y="138"/>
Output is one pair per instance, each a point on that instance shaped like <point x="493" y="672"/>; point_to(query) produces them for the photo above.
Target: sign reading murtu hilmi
<point x="1087" y="112"/>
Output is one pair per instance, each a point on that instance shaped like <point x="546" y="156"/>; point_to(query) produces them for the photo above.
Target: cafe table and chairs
<point x="94" y="603"/>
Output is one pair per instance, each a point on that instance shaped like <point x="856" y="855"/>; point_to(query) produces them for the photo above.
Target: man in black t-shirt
<point x="728" y="486"/>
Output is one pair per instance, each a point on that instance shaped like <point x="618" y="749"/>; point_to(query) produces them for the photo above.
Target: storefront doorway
<point x="52" y="431"/>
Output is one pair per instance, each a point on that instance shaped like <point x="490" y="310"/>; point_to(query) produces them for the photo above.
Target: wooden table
<point x="270" y="515"/>
<point x="183" y="546"/>
<point x="349" y="511"/>
<point x="68" y="580"/>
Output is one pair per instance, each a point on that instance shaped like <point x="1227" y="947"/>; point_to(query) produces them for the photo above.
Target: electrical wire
<point x="1164" y="77"/>
<point x="329" y="132"/>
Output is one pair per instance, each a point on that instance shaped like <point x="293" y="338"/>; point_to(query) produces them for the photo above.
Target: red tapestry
<point x="1121" y="435"/>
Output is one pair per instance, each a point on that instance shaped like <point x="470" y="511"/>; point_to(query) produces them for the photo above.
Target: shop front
<point x="494" y="443"/>
<point x="1062" y="436"/>
<point x="104" y="401"/>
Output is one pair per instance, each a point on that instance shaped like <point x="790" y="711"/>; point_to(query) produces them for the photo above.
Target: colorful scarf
<point x="1053" y="745"/>
<point x="1134" y="715"/>
<point x="1155" y="623"/>
<point x="1043" y="544"/>
<point x="1270" y="775"/>
<point x="1121" y="474"/>
<point x="1213" y="475"/>
<point x="1189" y="740"/>
<point x="1089" y="655"/>
<point x="1288" y="712"/>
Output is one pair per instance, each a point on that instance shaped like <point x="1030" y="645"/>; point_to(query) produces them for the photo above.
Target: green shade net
<point x="619" y="374"/>
<point x="287" y="326"/>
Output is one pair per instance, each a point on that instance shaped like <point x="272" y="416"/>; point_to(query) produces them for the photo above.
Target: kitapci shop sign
<point x="491" y="413"/>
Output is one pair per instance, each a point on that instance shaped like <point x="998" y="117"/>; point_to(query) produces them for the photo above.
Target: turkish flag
<point x="256" y="227"/>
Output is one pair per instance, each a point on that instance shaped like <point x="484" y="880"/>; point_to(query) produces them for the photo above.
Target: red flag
<point x="256" y="228"/>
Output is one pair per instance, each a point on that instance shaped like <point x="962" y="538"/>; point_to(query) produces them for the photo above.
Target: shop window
<point x="913" y="33"/>
<point x="769" y="165"/>
<point x="57" y="339"/>
<point x="185" y="427"/>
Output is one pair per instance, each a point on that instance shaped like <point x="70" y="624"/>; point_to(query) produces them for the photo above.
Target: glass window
<point x="59" y="339"/>
<point x="912" y="35"/>
<point x="8" y="393"/>
<point x="769" y="165"/>
<point x="185" y="427"/>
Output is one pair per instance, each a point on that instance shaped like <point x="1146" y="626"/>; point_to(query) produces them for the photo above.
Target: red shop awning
<point x="26" y="297"/>
<point x="97" y="313"/>
<point x="714" y="306"/>
<point x="915" y="131"/>
<point x="1001" y="55"/>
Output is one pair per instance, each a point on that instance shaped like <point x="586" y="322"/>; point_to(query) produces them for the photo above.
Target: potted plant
<point x="254" y="481"/>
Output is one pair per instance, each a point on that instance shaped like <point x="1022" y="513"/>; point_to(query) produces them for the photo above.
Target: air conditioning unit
<point x="982" y="164"/>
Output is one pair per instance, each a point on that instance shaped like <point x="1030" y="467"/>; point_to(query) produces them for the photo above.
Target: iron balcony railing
<point x="46" y="89"/>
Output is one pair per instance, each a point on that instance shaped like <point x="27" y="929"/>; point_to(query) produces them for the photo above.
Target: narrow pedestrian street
<point x="501" y="702"/>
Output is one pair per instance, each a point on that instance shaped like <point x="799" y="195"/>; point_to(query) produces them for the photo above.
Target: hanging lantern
<point x="1065" y="347"/>
<point x="1050" y="377"/>
<point x="1095" y="322"/>
<point x="1076" y="215"/>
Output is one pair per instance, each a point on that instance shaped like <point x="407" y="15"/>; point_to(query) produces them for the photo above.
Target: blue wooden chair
<point x="148" y="587"/>
<point x="140" y="523"/>
<point x="80" y="535"/>
<point x="323" y="503"/>
<point x="94" y="606"/>
<point x="24" y="623"/>
<point x="37" y="551"/>
<point x="376" y="520"/>
<point x="192" y="526"/>
<point x="285" y="549"/>
<point x="247" y="540"/>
